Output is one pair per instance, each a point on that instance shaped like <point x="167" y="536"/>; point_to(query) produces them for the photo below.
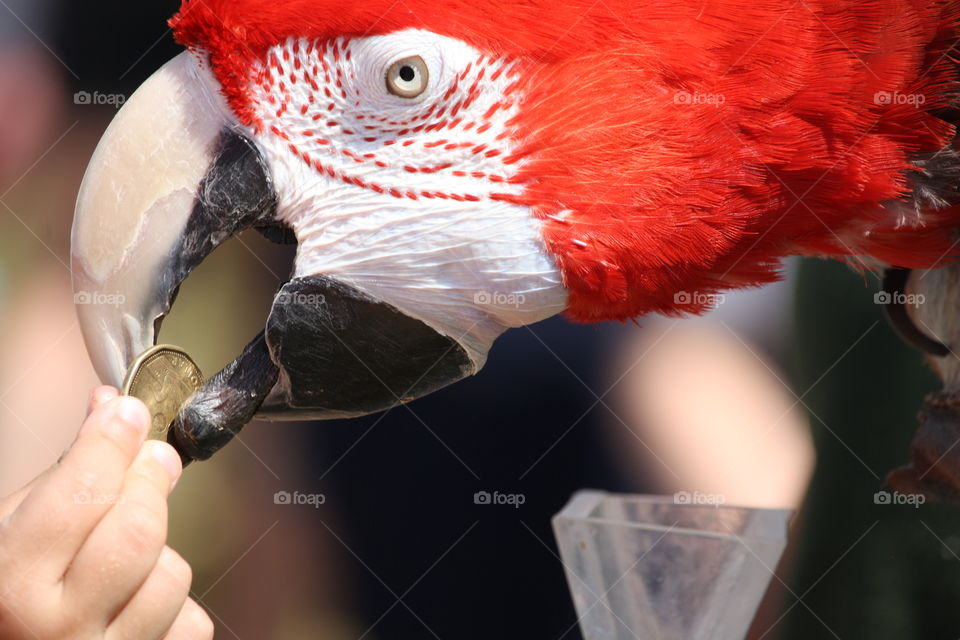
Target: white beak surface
<point x="135" y="200"/>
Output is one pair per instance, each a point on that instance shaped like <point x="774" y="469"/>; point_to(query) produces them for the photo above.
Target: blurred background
<point x="797" y="395"/>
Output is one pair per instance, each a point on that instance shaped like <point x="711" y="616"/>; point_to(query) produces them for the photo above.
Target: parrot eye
<point x="408" y="77"/>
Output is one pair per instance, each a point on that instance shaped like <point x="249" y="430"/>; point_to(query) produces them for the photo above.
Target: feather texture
<point x="676" y="146"/>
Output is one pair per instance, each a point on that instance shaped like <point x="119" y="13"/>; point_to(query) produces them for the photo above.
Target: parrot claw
<point x="935" y="459"/>
<point x="894" y="285"/>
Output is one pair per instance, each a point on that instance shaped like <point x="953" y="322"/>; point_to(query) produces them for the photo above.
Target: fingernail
<point x="168" y="458"/>
<point x="102" y="395"/>
<point x="133" y="412"/>
<point x="99" y="396"/>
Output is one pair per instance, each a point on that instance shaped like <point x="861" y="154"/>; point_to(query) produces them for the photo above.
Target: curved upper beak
<point x="135" y="212"/>
<point x="175" y="176"/>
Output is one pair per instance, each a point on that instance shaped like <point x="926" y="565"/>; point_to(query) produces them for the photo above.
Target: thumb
<point x="99" y="396"/>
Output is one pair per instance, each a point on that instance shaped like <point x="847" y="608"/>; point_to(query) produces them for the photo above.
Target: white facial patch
<point x="403" y="198"/>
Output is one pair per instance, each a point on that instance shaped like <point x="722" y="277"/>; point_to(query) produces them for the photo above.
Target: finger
<point x="98" y="396"/>
<point x="64" y="507"/>
<point x="120" y="553"/>
<point x="9" y="504"/>
<point x="159" y="602"/>
<point x="193" y="623"/>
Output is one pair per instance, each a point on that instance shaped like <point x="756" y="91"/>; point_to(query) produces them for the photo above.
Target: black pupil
<point x="407" y="74"/>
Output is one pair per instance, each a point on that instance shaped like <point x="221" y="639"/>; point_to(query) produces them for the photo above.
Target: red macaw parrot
<point x="451" y="169"/>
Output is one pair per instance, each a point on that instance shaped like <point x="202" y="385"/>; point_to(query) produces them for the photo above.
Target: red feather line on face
<point x="679" y="146"/>
<point x="319" y="65"/>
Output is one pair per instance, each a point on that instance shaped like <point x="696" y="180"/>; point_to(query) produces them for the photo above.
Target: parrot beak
<point x="174" y="177"/>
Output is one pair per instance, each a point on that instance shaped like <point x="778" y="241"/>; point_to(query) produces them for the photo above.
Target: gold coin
<point x="164" y="377"/>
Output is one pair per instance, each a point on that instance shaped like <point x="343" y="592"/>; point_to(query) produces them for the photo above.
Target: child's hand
<point x="82" y="548"/>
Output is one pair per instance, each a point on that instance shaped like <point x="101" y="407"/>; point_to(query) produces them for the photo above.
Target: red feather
<point x="680" y="146"/>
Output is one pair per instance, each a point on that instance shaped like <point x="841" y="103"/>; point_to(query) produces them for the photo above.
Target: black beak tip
<point x="196" y="434"/>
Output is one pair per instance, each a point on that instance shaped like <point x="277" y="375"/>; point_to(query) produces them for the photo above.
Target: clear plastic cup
<point x="667" y="568"/>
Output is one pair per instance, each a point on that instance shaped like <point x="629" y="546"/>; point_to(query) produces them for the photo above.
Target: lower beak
<point x="173" y="178"/>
